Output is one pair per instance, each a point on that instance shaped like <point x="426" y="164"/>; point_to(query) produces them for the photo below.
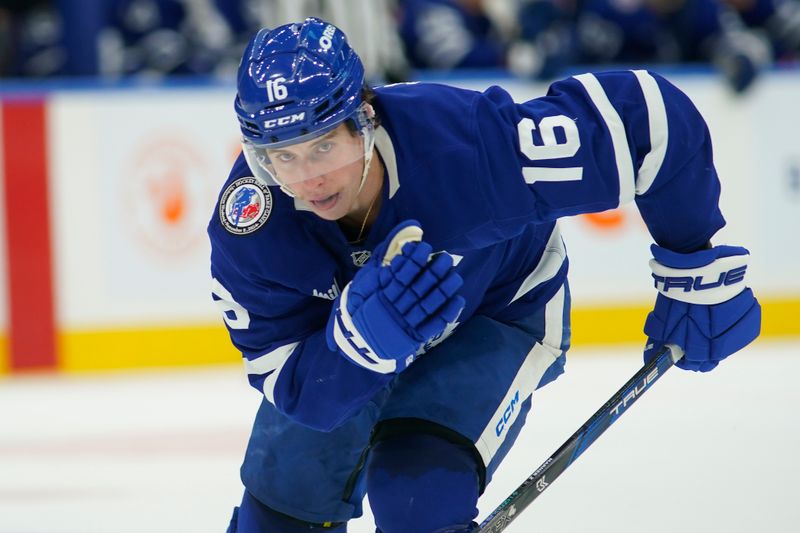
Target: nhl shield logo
<point x="360" y="257"/>
<point x="245" y="206"/>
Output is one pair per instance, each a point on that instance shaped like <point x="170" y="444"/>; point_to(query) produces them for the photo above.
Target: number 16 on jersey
<point x="550" y="148"/>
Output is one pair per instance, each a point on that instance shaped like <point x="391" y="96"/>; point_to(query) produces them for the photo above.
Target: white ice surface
<point x="159" y="451"/>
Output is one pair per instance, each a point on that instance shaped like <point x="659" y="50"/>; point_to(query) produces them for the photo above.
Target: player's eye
<point x="285" y="157"/>
<point x="325" y="147"/>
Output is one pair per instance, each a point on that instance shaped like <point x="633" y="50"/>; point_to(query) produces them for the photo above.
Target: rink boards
<point x="107" y="193"/>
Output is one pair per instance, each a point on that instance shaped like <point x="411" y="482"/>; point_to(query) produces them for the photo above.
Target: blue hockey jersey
<point x="487" y="178"/>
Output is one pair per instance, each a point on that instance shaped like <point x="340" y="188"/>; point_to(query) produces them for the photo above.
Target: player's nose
<point x="314" y="182"/>
<point x="312" y="173"/>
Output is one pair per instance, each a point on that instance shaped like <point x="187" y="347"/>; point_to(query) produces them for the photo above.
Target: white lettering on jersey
<point x="233" y="313"/>
<point x="329" y="294"/>
<point x="550" y="148"/>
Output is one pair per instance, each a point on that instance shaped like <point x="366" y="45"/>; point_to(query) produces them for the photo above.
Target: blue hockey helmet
<point x="297" y="82"/>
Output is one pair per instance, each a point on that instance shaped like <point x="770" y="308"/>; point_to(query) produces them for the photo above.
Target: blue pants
<point x="474" y="389"/>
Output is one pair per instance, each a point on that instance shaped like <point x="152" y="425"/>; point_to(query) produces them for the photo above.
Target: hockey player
<point x="389" y="263"/>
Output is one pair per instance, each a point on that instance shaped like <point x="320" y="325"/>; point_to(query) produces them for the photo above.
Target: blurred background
<point x="117" y="126"/>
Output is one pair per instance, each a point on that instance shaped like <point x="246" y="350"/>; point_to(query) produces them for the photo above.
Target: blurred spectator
<point x="534" y="38"/>
<point x="459" y="34"/>
<point x="644" y="32"/>
<point x="156" y="38"/>
<point x="31" y="39"/>
<point x="550" y="35"/>
<point x="160" y="37"/>
<point x="208" y="36"/>
<point x="545" y="43"/>
<point x="448" y="34"/>
<point x="110" y="37"/>
<point x="670" y="31"/>
<point x="779" y="19"/>
<point x="369" y="24"/>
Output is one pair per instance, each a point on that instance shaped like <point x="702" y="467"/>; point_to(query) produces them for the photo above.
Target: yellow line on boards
<point x="143" y="348"/>
<point x="203" y="345"/>
<point x="780" y="318"/>
<point x="608" y="325"/>
<point x="5" y="361"/>
<point x="611" y="325"/>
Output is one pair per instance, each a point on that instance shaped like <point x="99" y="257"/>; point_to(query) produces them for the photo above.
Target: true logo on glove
<point x="688" y="283"/>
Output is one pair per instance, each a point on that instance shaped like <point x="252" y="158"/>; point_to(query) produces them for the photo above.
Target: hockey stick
<point x="555" y="465"/>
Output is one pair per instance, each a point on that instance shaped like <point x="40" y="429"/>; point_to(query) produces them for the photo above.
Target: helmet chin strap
<point x="286" y="190"/>
<point x="369" y="146"/>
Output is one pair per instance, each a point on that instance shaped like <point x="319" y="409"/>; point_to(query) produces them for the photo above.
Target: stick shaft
<point x="555" y="465"/>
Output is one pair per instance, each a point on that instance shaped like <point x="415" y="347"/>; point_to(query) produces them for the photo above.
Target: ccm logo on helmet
<point x="285" y="121"/>
<point x="326" y="41"/>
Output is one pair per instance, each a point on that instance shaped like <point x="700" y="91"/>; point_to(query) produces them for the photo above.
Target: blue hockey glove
<point x="703" y="305"/>
<point x="741" y="55"/>
<point x="401" y="298"/>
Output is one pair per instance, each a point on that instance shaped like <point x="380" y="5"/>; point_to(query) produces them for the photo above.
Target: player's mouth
<point x="326" y="203"/>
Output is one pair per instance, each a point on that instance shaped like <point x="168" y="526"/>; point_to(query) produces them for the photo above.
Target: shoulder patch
<point x="245" y="206"/>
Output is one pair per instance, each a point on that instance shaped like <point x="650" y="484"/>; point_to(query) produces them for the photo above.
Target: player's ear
<point x="369" y="110"/>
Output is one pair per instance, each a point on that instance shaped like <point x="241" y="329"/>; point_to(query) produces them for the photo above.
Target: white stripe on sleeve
<point x="270" y="362"/>
<point x="552" y="259"/>
<point x="616" y="129"/>
<point x="659" y="131"/>
<point x="539" y="359"/>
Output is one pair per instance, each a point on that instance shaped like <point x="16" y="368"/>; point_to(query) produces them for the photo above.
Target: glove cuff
<point x="714" y="283"/>
<point x="352" y="344"/>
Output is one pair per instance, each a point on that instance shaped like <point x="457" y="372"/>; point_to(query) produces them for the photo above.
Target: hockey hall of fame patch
<point x="245" y="206"/>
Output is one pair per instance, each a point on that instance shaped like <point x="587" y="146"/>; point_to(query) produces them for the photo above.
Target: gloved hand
<point x="544" y="46"/>
<point x="783" y="27"/>
<point x="741" y="56"/>
<point x="542" y="59"/>
<point x="703" y="305"/>
<point x="399" y="300"/>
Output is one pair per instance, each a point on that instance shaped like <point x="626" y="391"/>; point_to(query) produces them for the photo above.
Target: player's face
<point x="324" y="172"/>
